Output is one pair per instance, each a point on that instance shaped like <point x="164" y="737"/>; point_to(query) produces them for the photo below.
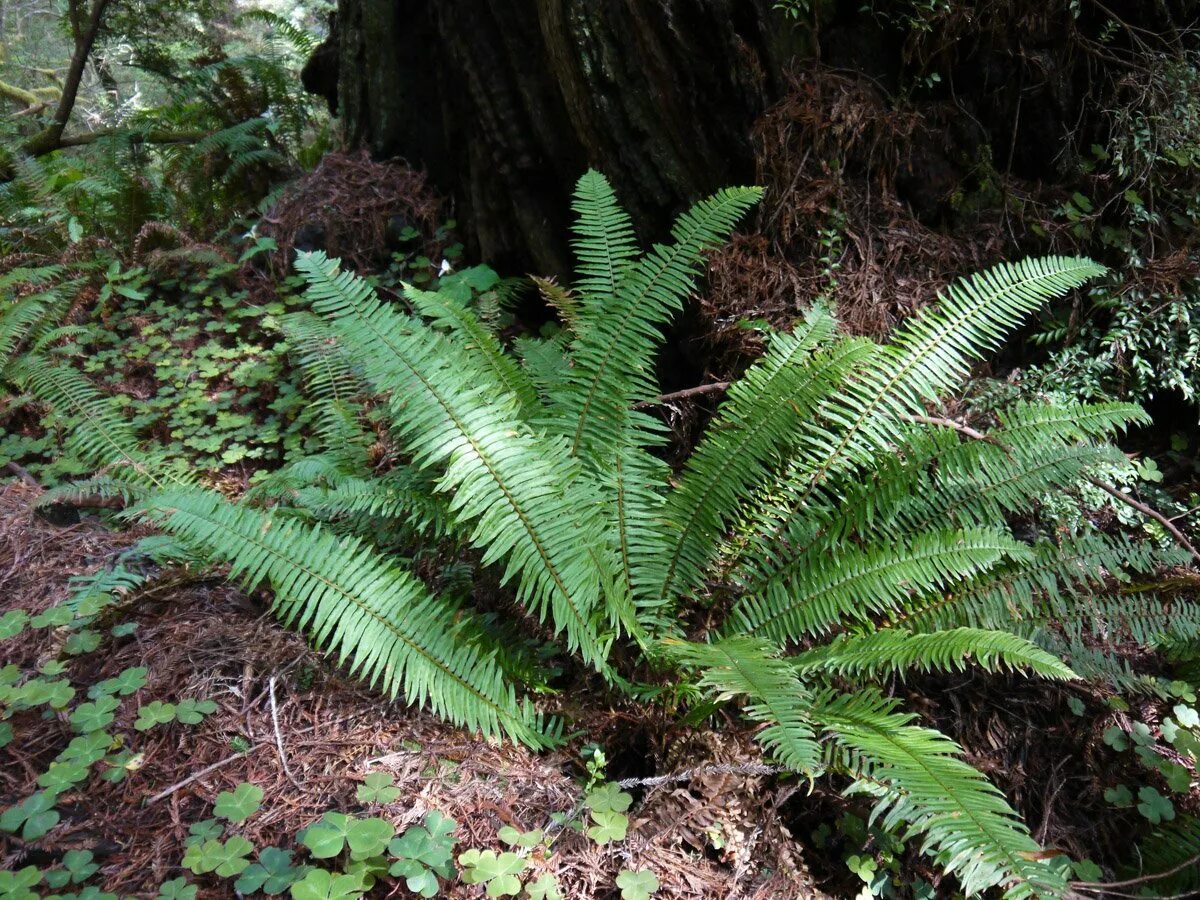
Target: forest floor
<point x="290" y="723"/>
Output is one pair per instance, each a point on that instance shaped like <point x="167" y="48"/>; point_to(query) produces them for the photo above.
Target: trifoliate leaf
<point x="239" y="805"/>
<point x="637" y="885"/>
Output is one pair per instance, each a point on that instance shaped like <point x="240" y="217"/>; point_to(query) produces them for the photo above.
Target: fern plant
<point x="835" y="532"/>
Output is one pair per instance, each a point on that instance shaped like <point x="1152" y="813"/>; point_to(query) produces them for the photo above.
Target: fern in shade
<point x="832" y="535"/>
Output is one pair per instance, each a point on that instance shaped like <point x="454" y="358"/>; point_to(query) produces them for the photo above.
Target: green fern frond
<point x="751" y="668"/>
<point x="516" y="486"/>
<point x="452" y="314"/>
<point x="892" y="651"/>
<point x="379" y="619"/>
<point x="823" y="586"/>
<point x="604" y="244"/>
<point x="755" y="425"/>
<point x="328" y="373"/>
<point x="1023" y="592"/>
<point x="100" y="436"/>
<point x="929" y="355"/>
<point x="969" y="828"/>
<point x="1173" y="848"/>
<point x="611" y="355"/>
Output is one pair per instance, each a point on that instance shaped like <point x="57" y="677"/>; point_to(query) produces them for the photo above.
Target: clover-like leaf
<point x="368" y="837"/>
<point x="225" y="859"/>
<point x="33" y="817"/>
<point x="1169" y="730"/>
<point x="498" y="871"/>
<point x="87" y="748"/>
<point x="1186" y="716"/>
<point x="95" y="715"/>
<point x="122" y="764"/>
<point x="62" y="776"/>
<point x="54" y="693"/>
<point x="608" y="797"/>
<point x="205" y="830"/>
<point x="609" y="826"/>
<point x="81" y="642"/>
<point x="1178" y="778"/>
<point x="154" y="713"/>
<point x="637" y="885"/>
<point x="1154" y="806"/>
<point x="19" y="884"/>
<point x="176" y="889"/>
<point x="192" y="712"/>
<point x="130" y="680"/>
<point x="321" y="885"/>
<point x="124" y="629"/>
<point x="545" y="888"/>
<point x="1119" y="796"/>
<point x="13" y="623"/>
<point x="377" y="788"/>
<point x="326" y="838"/>
<point x="239" y="805"/>
<point x="52" y="667"/>
<point x="273" y="874"/>
<point x="53" y="617"/>
<point x="516" y="838"/>
<point x="417" y="878"/>
<point x="6" y="734"/>
<point x="79" y="865"/>
<point x="1116" y="738"/>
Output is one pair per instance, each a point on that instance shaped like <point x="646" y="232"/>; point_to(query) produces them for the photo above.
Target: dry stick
<point x="279" y="735"/>
<point x="167" y="792"/>
<point x="684" y="394"/>
<point x="1154" y="514"/>
<point x="1102" y="885"/>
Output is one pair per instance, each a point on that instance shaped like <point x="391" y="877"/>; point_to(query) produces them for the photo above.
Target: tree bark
<point x="506" y="102"/>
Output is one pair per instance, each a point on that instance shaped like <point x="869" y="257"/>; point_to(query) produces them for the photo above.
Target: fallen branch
<point x="1145" y="510"/>
<point x="167" y="792"/>
<point x="1154" y="514"/>
<point x="684" y="394"/>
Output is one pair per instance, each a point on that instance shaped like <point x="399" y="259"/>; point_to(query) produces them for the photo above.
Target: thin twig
<point x="1145" y="510"/>
<point x="964" y="430"/>
<point x="1103" y="885"/>
<point x="1154" y="514"/>
<point x="279" y="735"/>
<point x="167" y="792"/>
<point x="684" y="394"/>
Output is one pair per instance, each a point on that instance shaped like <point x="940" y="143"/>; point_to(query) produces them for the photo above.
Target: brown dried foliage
<point x="350" y="198"/>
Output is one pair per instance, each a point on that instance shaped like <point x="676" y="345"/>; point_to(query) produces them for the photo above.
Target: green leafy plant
<point x="240" y="804"/>
<point x="825" y="508"/>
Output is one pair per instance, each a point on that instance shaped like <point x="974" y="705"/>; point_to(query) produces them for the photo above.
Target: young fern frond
<point x="379" y="619"/>
<point x="604" y="245"/>
<point x="517" y="487"/>
<point x="755" y="424"/>
<point x="892" y="651"/>
<point x="611" y="355"/>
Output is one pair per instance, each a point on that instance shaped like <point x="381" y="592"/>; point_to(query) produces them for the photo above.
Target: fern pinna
<point x="847" y="536"/>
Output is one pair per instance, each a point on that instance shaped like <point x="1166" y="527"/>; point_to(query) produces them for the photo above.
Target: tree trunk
<point x="506" y="102"/>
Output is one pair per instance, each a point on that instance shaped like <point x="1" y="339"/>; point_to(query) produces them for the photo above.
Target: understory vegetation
<point x="894" y="594"/>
